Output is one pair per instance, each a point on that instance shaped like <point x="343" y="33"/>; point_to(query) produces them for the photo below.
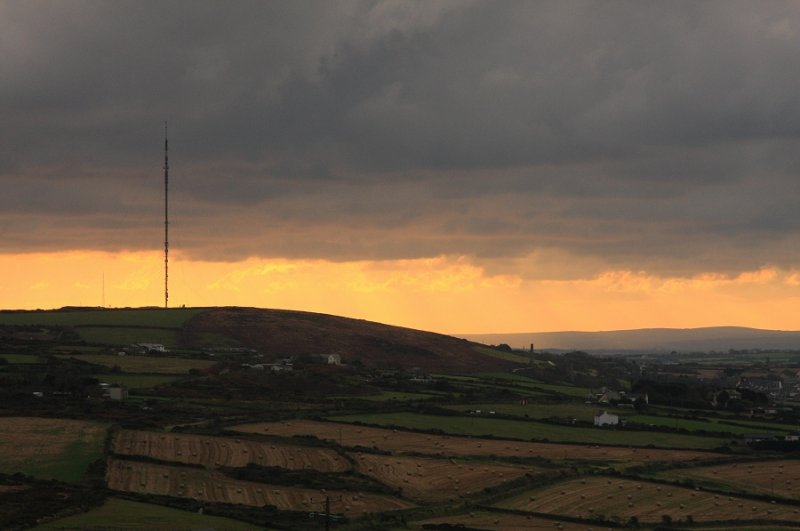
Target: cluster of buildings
<point x="606" y="395"/>
<point x="775" y="384"/>
<point x="287" y="364"/>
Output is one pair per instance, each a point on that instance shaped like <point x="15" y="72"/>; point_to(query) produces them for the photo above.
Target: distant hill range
<point x="720" y="339"/>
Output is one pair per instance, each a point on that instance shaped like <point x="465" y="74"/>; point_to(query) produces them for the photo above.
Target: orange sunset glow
<point x="462" y="167"/>
<point x="445" y="294"/>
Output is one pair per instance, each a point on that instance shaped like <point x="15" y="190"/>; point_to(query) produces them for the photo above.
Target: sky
<point x="458" y="166"/>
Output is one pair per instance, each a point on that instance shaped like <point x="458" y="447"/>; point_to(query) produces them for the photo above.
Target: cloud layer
<point x="549" y="139"/>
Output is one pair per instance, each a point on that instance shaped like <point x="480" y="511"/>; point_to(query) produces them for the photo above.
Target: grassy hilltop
<point x="271" y="332"/>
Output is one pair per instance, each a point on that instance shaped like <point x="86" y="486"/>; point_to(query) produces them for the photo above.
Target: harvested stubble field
<point x="425" y="479"/>
<point x="646" y="501"/>
<point x="506" y="522"/>
<point x="224" y="451"/>
<point x="49" y="448"/>
<point x="211" y="486"/>
<point x="779" y="478"/>
<point x="406" y="441"/>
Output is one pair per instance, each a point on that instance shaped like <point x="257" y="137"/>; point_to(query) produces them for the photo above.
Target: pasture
<point x="585" y="412"/>
<point x="622" y="499"/>
<point x="121" y="514"/>
<point x="424" y="479"/>
<point x="147" y="317"/>
<point x="20" y="358"/>
<point x="145" y="364"/>
<point x="503" y="522"/>
<point x="211" y="486"/>
<point x="708" y="424"/>
<point x="395" y="440"/>
<point x="478" y="426"/>
<point x="529" y="383"/>
<point x="778" y="478"/>
<point x="502" y="355"/>
<point x="387" y="396"/>
<point x="135" y="381"/>
<point x="129" y="335"/>
<point x="222" y="451"/>
<point x="581" y="412"/>
<point x="49" y="448"/>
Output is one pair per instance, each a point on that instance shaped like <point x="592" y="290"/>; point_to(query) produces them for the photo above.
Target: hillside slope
<point x="293" y="333"/>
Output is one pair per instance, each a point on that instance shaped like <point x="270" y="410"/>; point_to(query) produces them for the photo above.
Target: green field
<point x="158" y="317"/>
<point x="128" y="336"/>
<point x="526" y="430"/>
<point x="502" y="355"/>
<point x="118" y="514"/>
<point x="711" y="424"/>
<point x="20" y="358"/>
<point x="581" y="412"/>
<point x="388" y="396"/>
<point x="516" y="383"/>
<point x="506" y="376"/>
<point x="135" y="381"/>
<point x="49" y="448"/>
<point x="145" y="364"/>
<point x="569" y="390"/>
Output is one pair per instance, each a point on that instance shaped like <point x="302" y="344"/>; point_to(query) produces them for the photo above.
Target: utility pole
<point x="327" y="513"/>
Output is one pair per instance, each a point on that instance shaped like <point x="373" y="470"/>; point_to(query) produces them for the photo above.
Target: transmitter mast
<point x="166" y="218"/>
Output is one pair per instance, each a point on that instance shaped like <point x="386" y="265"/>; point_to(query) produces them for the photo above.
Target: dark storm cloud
<point x="644" y="135"/>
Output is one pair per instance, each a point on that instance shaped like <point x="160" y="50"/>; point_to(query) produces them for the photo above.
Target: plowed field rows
<point x="223" y="451"/>
<point x="201" y="484"/>
<point x="780" y="478"/>
<point x="406" y="441"/>
<point x="644" y="500"/>
<point x="434" y="479"/>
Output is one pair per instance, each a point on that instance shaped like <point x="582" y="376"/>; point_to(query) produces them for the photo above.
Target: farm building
<point x="147" y="348"/>
<point x="606" y="419"/>
<point x="117" y="392"/>
<point x="757" y="437"/>
<point x="331" y="359"/>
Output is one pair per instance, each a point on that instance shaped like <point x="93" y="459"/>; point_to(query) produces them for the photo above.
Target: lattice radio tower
<point x="166" y="218"/>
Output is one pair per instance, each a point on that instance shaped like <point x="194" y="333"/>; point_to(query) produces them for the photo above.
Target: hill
<point x="720" y="338"/>
<point x="274" y="333"/>
<point x="286" y="332"/>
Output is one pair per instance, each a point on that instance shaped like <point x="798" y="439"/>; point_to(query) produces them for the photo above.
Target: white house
<point x="331" y="359"/>
<point x="117" y="392"/>
<point x="606" y="419"/>
<point x="152" y="347"/>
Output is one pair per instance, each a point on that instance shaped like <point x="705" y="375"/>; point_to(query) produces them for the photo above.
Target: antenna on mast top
<point x="166" y="217"/>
